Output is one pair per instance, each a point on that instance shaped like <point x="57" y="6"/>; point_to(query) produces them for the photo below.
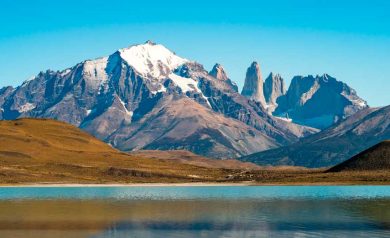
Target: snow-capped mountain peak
<point x="150" y="59"/>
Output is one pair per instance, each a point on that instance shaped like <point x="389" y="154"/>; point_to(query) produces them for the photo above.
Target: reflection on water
<point x="249" y="217"/>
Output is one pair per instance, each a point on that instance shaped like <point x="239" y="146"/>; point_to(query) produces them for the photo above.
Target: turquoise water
<point x="211" y="211"/>
<point x="197" y="192"/>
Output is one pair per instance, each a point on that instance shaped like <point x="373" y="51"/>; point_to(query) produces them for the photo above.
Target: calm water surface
<point x="263" y="211"/>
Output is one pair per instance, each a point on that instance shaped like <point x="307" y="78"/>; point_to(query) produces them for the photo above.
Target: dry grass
<point x="186" y="157"/>
<point x="46" y="151"/>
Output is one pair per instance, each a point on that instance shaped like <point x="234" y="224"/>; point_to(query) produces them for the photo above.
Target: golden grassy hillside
<point x="40" y="150"/>
<point x="187" y="157"/>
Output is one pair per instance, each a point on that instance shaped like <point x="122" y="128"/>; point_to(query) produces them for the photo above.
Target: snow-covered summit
<point x="150" y="59"/>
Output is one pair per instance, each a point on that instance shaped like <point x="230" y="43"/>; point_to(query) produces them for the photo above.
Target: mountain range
<point x="145" y="97"/>
<point x="317" y="102"/>
<point x="333" y="145"/>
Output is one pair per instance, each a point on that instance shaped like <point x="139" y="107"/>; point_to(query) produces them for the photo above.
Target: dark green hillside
<point x="376" y="157"/>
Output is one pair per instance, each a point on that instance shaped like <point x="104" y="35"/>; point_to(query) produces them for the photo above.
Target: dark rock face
<point x="253" y="86"/>
<point x="4" y="93"/>
<point x="333" y="145"/>
<point x="318" y="101"/>
<point x="146" y="97"/>
<point x="274" y="88"/>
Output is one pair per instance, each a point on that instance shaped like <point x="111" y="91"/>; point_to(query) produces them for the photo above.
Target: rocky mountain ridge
<point x="317" y="102"/>
<point x="333" y="145"/>
<point x="146" y="97"/>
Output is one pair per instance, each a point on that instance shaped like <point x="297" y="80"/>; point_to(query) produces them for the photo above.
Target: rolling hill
<point x="48" y="151"/>
<point x="187" y="157"/>
<point x="376" y="157"/>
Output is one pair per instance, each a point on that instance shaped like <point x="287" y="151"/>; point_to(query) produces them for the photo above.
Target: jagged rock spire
<point x="218" y="72"/>
<point x="274" y="87"/>
<point x="253" y="86"/>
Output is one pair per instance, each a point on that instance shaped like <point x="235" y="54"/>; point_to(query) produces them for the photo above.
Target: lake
<point x="195" y="211"/>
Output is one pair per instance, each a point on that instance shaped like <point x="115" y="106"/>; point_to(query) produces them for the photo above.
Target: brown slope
<point x="40" y="151"/>
<point x="376" y="157"/>
<point x="187" y="157"/>
<point x="182" y="123"/>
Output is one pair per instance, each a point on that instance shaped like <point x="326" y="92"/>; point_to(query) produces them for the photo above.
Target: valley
<point x="44" y="152"/>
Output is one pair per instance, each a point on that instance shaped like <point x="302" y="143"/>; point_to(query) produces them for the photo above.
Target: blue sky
<point x="350" y="40"/>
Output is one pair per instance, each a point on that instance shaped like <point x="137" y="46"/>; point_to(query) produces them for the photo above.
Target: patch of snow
<point x="128" y="113"/>
<point x="207" y="100"/>
<point x="186" y="84"/>
<point x="26" y="107"/>
<point x="65" y="72"/>
<point x="151" y="59"/>
<point x="359" y="103"/>
<point x="284" y="119"/>
<point x="31" y="78"/>
<point x="94" y="71"/>
<point x="27" y="81"/>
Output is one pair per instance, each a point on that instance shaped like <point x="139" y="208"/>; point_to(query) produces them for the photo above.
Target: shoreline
<point x="70" y="185"/>
<point x="195" y="184"/>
